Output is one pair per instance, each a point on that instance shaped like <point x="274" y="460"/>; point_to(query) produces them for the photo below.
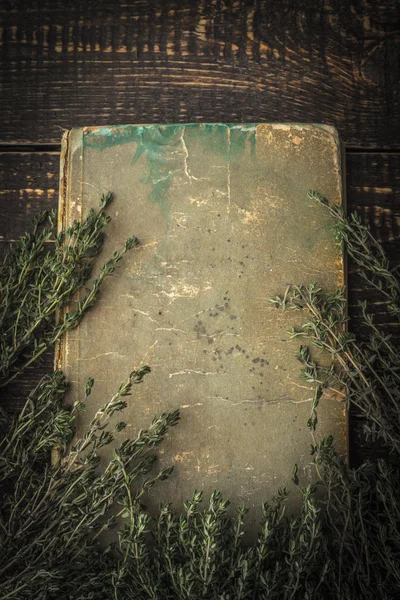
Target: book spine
<point x="69" y="210"/>
<point x="61" y="227"/>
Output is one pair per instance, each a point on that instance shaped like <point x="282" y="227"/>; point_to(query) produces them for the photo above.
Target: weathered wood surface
<point x="70" y="64"/>
<point x="29" y="184"/>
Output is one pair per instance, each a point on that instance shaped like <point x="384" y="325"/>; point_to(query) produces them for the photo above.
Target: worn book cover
<point x="224" y="222"/>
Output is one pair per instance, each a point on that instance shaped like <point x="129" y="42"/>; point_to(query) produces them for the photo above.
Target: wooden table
<point x="66" y="64"/>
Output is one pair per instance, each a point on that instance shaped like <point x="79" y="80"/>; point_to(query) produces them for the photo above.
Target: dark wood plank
<point x="15" y="395"/>
<point x="373" y="190"/>
<point x="28" y="185"/>
<point x="70" y="64"/>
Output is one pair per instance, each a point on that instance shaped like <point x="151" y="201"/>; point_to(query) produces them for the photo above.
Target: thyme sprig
<point x="366" y="252"/>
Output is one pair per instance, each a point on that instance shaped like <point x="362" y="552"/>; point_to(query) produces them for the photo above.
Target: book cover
<point x="224" y="222"/>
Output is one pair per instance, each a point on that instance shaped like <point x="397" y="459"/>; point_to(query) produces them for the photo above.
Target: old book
<point x="224" y="222"/>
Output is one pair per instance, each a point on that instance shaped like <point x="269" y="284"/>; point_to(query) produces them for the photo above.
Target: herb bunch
<point x="366" y="373"/>
<point x="344" y="543"/>
<point x="36" y="284"/>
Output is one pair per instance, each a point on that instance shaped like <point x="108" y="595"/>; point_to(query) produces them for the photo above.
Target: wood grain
<point x="373" y="191"/>
<point x="70" y="64"/>
<point x="28" y="185"/>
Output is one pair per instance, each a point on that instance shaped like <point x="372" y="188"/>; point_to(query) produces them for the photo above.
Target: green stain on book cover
<point x="159" y="143"/>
